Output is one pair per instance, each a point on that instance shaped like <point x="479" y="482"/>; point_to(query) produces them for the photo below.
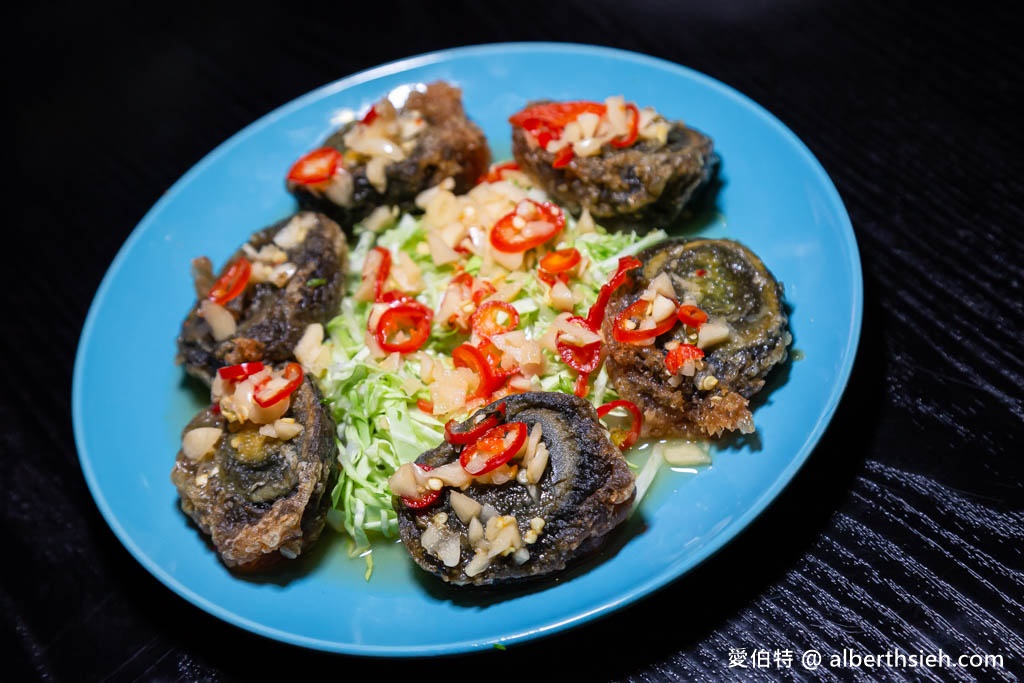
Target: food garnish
<point x="494" y="448"/>
<point x="530" y="225"/>
<point x="390" y="154"/>
<point x="500" y="323"/>
<point x="316" y="168"/>
<point x="255" y="468"/>
<point x="528" y="497"/>
<point x="285" y="278"/>
<point x="232" y="283"/>
<point x="695" y="335"/>
<point x="485" y="333"/>
<point x="628" y="167"/>
<point x="624" y="439"/>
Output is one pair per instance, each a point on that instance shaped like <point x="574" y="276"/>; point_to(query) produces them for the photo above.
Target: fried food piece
<point x="745" y="336"/>
<point x="523" y="528"/>
<point x="259" y="498"/>
<point x="296" y="277"/>
<point x="652" y="182"/>
<point x="392" y="155"/>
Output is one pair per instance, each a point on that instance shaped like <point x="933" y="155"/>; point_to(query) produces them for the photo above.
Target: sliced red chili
<point x="461" y="435"/>
<point x="428" y="498"/>
<point x="678" y="356"/>
<point x="467" y="356"/>
<point x="636" y="312"/>
<point x="458" y="290"/>
<point x="370" y="116"/>
<point x="582" y="386"/>
<point x="393" y="297"/>
<point x="563" y="157"/>
<point x="231" y="283"/>
<point x="634" y="128"/>
<point x="272" y="392"/>
<point x="463" y="279"/>
<point x="530" y="225"/>
<point x="560" y="261"/>
<point x="596" y="315"/>
<point x="377" y="266"/>
<point x="689" y="314"/>
<point x="316" y="167"/>
<point x="544" y="134"/>
<point x="497" y="172"/>
<point x="425" y="405"/>
<point x="550" y="280"/>
<point x="495" y="448"/>
<point x="484" y="320"/>
<point x="478" y="289"/>
<point x="238" y="372"/>
<point x="582" y="359"/>
<point x="554" y="114"/>
<point x="494" y="355"/>
<point x="624" y="439"/>
<point x="410" y="319"/>
<point x="481" y="289"/>
<point x="626" y="264"/>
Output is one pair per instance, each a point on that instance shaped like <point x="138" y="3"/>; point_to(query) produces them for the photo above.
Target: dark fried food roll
<point x="285" y="278"/>
<point x="694" y="336"/>
<point x="257" y="480"/>
<point x="629" y="168"/>
<point x="391" y="155"/>
<point x="531" y="484"/>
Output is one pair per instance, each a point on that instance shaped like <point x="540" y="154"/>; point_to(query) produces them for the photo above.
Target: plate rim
<point x="621" y="599"/>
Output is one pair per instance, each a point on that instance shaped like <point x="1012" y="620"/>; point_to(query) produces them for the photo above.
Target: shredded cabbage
<point x="380" y="426"/>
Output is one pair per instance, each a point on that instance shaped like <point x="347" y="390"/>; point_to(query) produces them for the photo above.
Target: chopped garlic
<point x="561" y="297"/>
<point x="441" y="542"/>
<point x="424" y="198"/>
<point x="450" y="388"/>
<point x="662" y="308"/>
<point x="587" y="122"/>
<point x="198" y="443"/>
<point x="526" y="353"/>
<point x="294" y="232"/>
<point x="284" y="428"/>
<point x="478" y="564"/>
<point x="407" y="276"/>
<point x="588" y="147"/>
<point x="503" y="534"/>
<point x="311" y="352"/>
<point x="685" y="454"/>
<point x="440" y="251"/>
<point x="537" y="464"/>
<point x="222" y="322"/>
<point x="380" y="218"/>
<point x="475" y="532"/>
<point x="712" y="333"/>
<point x="341" y="188"/>
<point x="465" y="507"/>
<point x="375" y="173"/>
<point x="662" y="284"/>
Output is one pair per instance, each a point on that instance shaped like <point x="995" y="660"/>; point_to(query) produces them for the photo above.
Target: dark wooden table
<point x="903" y="531"/>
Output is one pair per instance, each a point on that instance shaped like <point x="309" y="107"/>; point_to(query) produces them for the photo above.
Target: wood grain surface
<point x="905" y="528"/>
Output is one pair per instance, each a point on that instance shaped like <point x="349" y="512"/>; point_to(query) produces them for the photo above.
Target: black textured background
<point x="904" y="529"/>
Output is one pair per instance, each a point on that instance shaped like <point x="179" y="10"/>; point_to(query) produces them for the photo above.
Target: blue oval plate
<point x="775" y="198"/>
